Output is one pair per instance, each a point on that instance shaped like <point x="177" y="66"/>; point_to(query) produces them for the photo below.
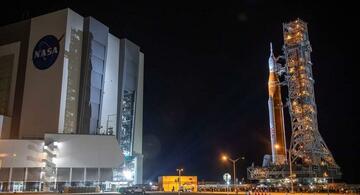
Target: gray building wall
<point x="92" y="76"/>
<point x="53" y="91"/>
<point x="138" y="134"/>
<point x="131" y="67"/>
<point x="8" y="34"/>
<point x="128" y="69"/>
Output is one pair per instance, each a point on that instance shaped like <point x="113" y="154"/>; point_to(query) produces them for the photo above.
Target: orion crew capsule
<point x="276" y="114"/>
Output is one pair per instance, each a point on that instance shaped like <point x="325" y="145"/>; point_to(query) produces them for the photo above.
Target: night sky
<point x="206" y="77"/>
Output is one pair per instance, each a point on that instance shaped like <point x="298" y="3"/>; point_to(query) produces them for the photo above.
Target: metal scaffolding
<point x="308" y="153"/>
<point x="127" y="120"/>
<point x="307" y="146"/>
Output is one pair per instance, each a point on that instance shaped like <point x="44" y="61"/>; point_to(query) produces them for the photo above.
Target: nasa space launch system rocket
<point x="276" y="115"/>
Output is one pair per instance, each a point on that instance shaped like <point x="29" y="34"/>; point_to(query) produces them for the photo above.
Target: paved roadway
<point x="194" y="193"/>
<point x="182" y="193"/>
<point x="147" y="193"/>
<point x="243" y="193"/>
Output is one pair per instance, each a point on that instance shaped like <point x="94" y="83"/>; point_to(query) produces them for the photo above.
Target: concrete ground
<point x="183" y="193"/>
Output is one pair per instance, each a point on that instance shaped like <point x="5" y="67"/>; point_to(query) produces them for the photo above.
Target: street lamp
<point x="225" y="158"/>
<point x="179" y="171"/>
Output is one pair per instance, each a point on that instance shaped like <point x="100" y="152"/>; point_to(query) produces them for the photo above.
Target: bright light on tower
<point x="57" y="144"/>
<point x="325" y="174"/>
<point x="127" y="174"/>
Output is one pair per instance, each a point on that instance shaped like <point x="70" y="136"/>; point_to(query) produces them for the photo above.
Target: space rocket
<point x="276" y="114"/>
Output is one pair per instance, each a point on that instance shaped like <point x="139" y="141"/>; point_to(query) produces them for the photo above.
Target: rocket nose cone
<point x="272" y="60"/>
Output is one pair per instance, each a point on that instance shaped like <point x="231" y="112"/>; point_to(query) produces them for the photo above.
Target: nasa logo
<point x="45" y="52"/>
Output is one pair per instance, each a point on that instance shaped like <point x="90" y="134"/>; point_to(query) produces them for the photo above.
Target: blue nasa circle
<point x="45" y="52"/>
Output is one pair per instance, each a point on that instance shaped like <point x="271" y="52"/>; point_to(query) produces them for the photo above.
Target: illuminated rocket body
<point x="276" y="115"/>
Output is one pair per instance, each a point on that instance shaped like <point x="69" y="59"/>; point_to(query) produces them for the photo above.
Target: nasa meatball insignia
<point x="46" y="52"/>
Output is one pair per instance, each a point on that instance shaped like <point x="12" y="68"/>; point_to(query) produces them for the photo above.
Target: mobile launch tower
<point x="308" y="158"/>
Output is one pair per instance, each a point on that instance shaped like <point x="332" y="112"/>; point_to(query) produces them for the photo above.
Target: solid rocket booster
<point x="276" y="115"/>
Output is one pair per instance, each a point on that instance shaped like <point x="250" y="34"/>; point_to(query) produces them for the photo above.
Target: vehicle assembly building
<point x="67" y="81"/>
<point x="308" y="158"/>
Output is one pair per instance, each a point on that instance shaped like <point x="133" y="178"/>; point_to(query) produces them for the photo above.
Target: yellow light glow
<point x="2" y="155"/>
<point x="292" y="70"/>
<point x="325" y="174"/>
<point x="277" y="146"/>
<point x="224" y="157"/>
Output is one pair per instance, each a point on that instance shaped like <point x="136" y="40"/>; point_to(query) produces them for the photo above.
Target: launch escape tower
<point x="308" y="154"/>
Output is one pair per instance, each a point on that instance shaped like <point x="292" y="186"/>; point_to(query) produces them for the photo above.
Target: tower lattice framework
<point x="307" y="147"/>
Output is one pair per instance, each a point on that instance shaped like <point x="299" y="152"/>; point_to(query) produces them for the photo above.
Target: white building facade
<point x="59" y="160"/>
<point x="65" y="77"/>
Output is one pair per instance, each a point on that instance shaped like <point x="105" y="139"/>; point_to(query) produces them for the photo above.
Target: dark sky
<point x="206" y="76"/>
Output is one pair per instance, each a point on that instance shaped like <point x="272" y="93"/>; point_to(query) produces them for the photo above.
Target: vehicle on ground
<point x="132" y="190"/>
